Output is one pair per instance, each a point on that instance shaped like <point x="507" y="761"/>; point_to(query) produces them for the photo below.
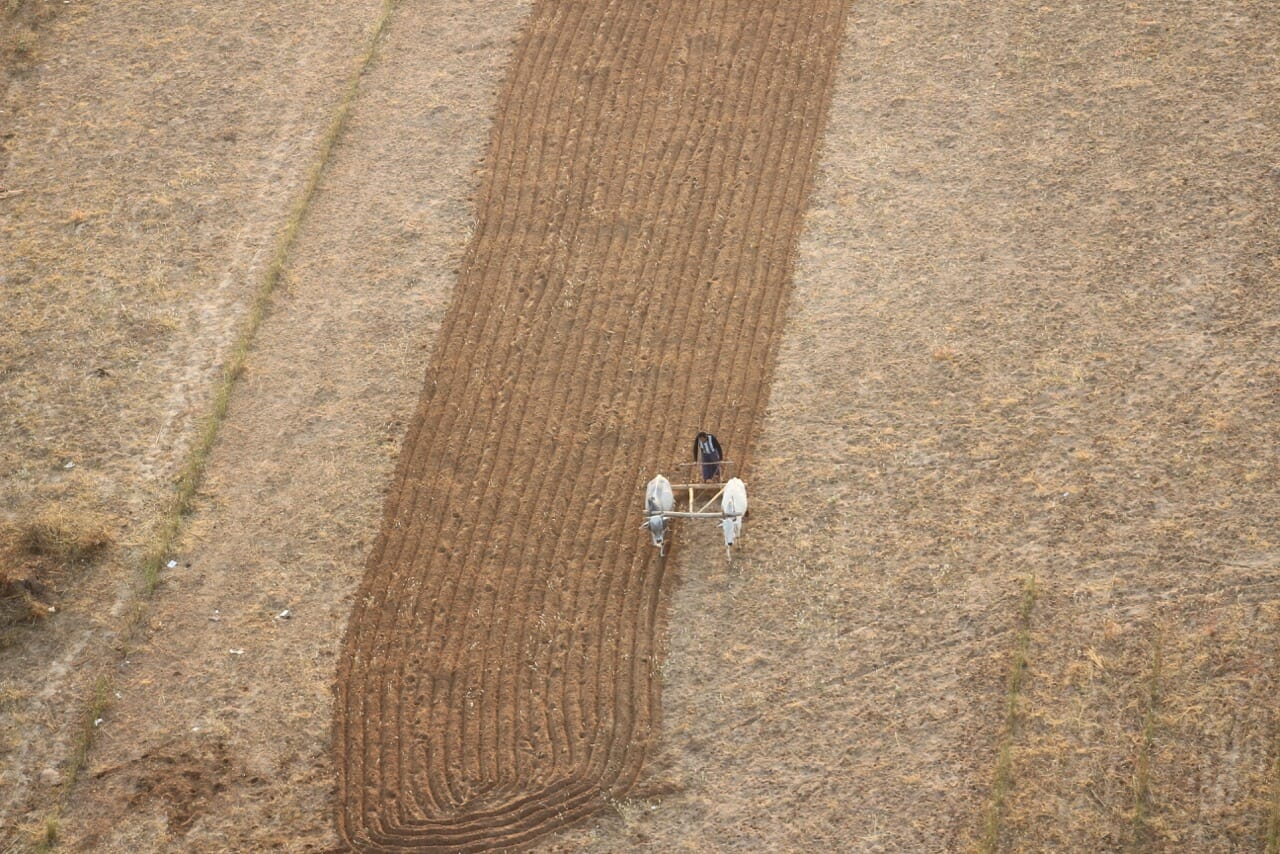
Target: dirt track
<point x="625" y="287"/>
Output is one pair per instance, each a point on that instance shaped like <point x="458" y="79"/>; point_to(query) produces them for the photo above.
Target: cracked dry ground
<point x="625" y="286"/>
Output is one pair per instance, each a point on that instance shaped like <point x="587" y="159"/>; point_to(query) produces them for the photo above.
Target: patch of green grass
<point x="47" y="836"/>
<point x="1142" y="763"/>
<point x="1004" y="758"/>
<point x="93" y="713"/>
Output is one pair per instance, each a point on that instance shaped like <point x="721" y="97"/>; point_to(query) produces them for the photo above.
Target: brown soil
<point x="625" y="287"/>
<point x="1031" y="336"/>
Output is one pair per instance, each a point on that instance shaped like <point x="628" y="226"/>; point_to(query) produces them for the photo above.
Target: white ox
<point x="733" y="504"/>
<point x="658" y="497"/>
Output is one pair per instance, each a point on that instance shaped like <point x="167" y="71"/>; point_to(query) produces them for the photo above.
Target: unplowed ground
<point x="1023" y="406"/>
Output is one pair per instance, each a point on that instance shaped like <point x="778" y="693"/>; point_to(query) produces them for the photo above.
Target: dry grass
<point x="54" y="535"/>
<point x="45" y="837"/>
<point x="1273" y="818"/>
<point x="197" y="460"/>
<point x="65" y="535"/>
<point x="38" y="556"/>
<point x="20" y="24"/>
<point x="1210" y="746"/>
<point x="1150" y="728"/>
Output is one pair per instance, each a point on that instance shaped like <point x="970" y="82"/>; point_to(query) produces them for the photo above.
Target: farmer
<point x="707" y="453"/>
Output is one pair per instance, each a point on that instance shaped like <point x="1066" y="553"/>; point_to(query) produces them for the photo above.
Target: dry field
<point x="1010" y="579"/>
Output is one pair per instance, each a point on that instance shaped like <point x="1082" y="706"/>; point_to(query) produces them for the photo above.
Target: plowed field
<point x="624" y="288"/>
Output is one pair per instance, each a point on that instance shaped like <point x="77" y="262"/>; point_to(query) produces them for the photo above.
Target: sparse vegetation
<point x="70" y="539"/>
<point x="198" y="459"/>
<point x="46" y="835"/>
<point x="47" y="838"/>
<point x="1013" y="690"/>
<point x="1142" y="763"/>
<point x="93" y="714"/>
<point x="36" y="557"/>
<point x="20" y="24"/>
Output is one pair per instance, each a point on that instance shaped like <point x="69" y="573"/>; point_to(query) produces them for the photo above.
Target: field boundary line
<point x="192" y="472"/>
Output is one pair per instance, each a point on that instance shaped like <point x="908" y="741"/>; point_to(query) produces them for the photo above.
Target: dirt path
<point x="625" y="287"/>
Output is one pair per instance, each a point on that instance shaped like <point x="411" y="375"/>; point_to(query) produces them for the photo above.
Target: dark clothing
<point x="708" y="454"/>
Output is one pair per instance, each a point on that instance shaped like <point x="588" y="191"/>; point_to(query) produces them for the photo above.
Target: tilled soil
<point x="625" y="287"/>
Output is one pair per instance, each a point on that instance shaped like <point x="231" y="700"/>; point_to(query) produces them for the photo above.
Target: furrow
<point x="625" y="285"/>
